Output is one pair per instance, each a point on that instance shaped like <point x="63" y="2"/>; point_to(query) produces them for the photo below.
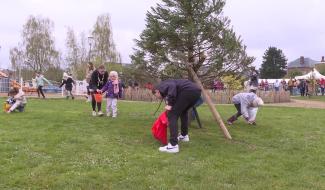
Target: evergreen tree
<point x="194" y="37"/>
<point x="274" y="64"/>
<point x="190" y="34"/>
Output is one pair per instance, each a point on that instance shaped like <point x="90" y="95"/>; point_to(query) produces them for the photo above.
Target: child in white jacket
<point x="20" y="100"/>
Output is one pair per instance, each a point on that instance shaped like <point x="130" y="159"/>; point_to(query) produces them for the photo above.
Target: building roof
<point x="309" y="63"/>
<point x="2" y="74"/>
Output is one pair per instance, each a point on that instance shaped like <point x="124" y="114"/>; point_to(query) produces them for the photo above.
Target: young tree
<point x="83" y="48"/>
<point x="194" y="37"/>
<point x="274" y="64"/>
<point x="104" y="47"/>
<point x="16" y="56"/>
<point x="77" y="55"/>
<point x="73" y="51"/>
<point x="38" y="44"/>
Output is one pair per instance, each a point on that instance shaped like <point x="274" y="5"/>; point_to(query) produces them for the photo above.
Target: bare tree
<point x="104" y="47"/>
<point x="38" y="44"/>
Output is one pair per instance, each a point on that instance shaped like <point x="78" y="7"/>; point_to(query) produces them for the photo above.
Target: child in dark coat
<point x="68" y="82"/>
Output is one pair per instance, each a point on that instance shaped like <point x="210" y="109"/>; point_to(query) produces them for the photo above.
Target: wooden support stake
<point x="212" y="107"/>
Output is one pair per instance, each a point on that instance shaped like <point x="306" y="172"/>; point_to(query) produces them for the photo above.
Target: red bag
<point x="159" y="128"/>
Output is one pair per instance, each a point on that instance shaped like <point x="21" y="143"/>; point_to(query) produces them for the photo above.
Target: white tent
<point x="312" y="74"/>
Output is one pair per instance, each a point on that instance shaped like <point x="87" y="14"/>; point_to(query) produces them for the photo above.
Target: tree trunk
<point x="213" y="110"/>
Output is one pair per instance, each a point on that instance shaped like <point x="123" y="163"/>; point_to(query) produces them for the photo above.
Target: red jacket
<point x="159" y="128"/>
<point x="322" y="83"/>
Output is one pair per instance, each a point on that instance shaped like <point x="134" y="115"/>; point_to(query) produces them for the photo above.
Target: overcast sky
<point x="295" y="26"/>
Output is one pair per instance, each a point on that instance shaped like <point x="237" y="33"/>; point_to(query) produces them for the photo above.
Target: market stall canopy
<point x="312" y="74"/>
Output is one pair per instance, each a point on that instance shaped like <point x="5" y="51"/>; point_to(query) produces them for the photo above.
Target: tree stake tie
<point x="158" y="106"/>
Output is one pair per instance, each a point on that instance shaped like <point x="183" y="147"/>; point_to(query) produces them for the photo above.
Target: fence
<point x="4" y="85"/>
<point x="219" y="97"/>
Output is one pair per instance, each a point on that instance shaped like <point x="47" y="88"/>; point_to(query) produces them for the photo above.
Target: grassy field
<point x="56" y="144"/>
<point x="313" y="98"/>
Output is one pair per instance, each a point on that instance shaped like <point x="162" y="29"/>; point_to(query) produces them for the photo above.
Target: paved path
<point x="301" y="104"/>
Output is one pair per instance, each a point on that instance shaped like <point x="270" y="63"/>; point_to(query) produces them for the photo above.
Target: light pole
<point x="0" y="50"/>
<point x="90" y="41"/>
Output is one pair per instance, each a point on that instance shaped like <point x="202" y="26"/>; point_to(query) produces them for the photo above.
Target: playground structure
<point x="30" y="87"/>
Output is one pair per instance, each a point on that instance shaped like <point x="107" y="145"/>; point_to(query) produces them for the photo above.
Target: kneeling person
<point x="180" y="95"/>
<point x="20" y="100"/>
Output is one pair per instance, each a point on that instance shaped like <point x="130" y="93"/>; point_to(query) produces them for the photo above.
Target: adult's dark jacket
<point x="170" y="89"/>
<point x="68" y="83"/>
<point x="98" y="80"/>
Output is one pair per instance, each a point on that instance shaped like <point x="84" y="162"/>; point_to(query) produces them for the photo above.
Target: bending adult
<point x="180" y="95"/>
<point x="98" y="80"/>
<point x="40" y="83"/>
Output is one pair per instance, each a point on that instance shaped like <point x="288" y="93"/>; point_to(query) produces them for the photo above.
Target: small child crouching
<point x="17" y="100"/>
<point x="113" y="91"/>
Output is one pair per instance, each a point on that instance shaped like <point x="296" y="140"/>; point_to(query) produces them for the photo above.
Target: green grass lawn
<point x="313" y="98"/>
<point x="56" y="144"/>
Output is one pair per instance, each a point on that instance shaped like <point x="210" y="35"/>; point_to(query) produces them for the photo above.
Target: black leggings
<point x="69" y="92"/>
<point x="88" y="91"/>
<point x="40" y="91"/>
<point x="238" y="114"/>
<point x="94" y="103"/>
<point x="302" y="92"/>
<point x="185" y="100"/>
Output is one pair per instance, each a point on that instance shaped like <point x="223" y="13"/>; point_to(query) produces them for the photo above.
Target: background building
<point x="302" y="64"/>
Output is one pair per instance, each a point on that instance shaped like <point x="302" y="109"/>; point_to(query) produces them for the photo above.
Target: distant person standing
<point x="98" y="79"/>
<point x="40" y="83"/>
<point x="322" y="85"/>
<point x="276" y="85"/>
<point x="262" y="85"/>
<point x="89" y="72"/>
<point x="290" y="86"/>
<point x="284" y="85"/>
<point x="136" y="85"/>
<point x="302" y="87"/>
<point x="253" y="81"/>
<point x="266" y="84"/>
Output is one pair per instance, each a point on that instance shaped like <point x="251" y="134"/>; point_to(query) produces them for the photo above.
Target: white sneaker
<point x="114" y="116"/>
<point x="100" y="113"/>
<point x="169" y="148"/>
<point x="94" y="113"/>
<point x="108" y="114"/>
<point x="182" y="138"/>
